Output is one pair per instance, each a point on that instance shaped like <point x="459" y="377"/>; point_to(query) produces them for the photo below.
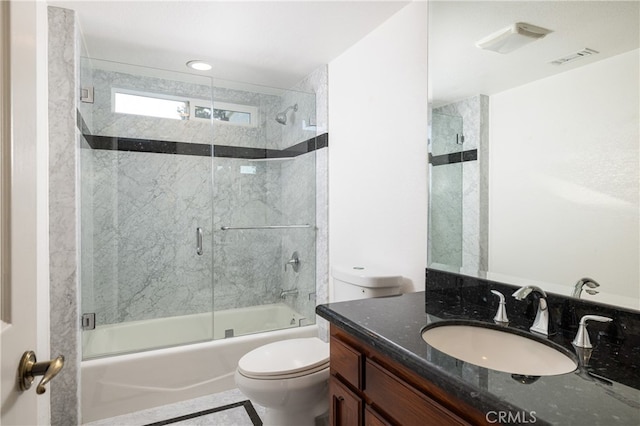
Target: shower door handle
<point x="199" y="241"/>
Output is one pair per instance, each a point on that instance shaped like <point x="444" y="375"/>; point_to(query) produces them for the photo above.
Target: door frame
<point x="25" y="291"/>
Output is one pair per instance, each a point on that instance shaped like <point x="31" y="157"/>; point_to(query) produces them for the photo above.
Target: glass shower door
<point x="445" y="180"/>
<point x="264" y="213"/>
<point x="146" y="223"/>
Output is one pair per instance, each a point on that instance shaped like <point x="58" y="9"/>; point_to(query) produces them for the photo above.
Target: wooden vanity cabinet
<point x="368" y="388"/>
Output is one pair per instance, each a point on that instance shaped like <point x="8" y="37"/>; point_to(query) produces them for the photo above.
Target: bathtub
<point x="120" y="384"/>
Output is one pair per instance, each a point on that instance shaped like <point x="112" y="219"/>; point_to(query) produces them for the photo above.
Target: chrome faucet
<point x="541" y="322"/>
<point x="285" y="293"/>
<point x="585" y="282"/>
<point x="582" y="337"/>
<point x="501" y="314"/>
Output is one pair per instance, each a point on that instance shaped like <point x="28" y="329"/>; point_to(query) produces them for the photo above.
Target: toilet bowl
<point x="290" y="378"/>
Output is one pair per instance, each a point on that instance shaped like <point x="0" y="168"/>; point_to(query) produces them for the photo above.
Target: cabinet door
<point x="371" y="418"/>
<point x="346" y="406"/>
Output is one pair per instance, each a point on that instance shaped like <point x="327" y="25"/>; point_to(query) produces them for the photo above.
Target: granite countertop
<point x="606" y="391"/>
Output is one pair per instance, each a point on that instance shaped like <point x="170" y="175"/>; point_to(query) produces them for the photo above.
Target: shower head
<point x="281" y="117"/>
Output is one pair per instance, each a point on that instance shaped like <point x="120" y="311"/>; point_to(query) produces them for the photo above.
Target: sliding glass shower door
<point x="264" y="213"/>
<point x="146" y="209"/>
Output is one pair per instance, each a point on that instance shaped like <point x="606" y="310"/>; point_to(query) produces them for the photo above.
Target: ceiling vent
<point x="513" y="37"/>
<point x="574" y="56"/>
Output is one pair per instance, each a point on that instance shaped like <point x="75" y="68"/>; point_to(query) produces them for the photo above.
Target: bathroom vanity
<point x="392" y="391"/>
<point x="383" y="373"/>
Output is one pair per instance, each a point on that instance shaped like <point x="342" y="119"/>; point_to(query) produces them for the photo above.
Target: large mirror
<point x="534" y="153"/>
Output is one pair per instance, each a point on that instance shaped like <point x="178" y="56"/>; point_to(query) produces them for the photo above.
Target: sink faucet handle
<point x="501" y="313"/>
<point x="582" y="337"/>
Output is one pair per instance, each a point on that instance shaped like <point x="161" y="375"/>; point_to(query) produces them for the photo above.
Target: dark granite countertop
<point x="603" y="392"/>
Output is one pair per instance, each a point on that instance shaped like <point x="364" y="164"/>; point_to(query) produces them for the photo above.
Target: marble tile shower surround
<point x="251" y="262"/>
<point x="146" y="208"/>
<point x="247" y="263"/>
<point x="445" y="224"/>
<point x="64" y="46"/>
<point x="267" y="134"/>
<point x="474" y="112"/>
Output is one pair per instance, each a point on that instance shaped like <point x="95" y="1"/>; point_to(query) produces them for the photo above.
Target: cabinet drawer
<point x="346" y="406"/>
<point x="403" y="403"/>
<point x="346" y="363"/>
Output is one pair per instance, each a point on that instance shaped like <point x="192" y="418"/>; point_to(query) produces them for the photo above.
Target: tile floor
<point x="230" y="408"/>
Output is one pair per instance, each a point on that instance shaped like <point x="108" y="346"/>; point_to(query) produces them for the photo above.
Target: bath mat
<point x="250" y="411"/>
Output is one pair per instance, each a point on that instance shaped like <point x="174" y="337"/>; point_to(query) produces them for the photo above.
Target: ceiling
<point x="273" y="43"/>
<point x="458" y="69"/>
<point x="277" y="43"/>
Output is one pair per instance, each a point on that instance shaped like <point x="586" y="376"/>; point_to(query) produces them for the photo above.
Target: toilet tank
<point x="360" y="282"/>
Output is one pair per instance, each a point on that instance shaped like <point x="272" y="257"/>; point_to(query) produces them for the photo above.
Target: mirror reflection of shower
<point x="281" y="117"/>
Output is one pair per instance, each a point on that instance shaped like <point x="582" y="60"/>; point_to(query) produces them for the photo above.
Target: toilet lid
<point x="285" y="358"/>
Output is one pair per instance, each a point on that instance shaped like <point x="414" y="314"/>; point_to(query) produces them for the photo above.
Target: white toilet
<point x="362" y="282"/>
<point x="290" y="378"/>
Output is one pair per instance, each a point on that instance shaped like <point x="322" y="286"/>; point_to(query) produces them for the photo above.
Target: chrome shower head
<point x="281" y="117"/>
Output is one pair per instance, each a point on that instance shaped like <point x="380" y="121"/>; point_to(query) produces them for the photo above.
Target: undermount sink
<point x="498" y="348"/>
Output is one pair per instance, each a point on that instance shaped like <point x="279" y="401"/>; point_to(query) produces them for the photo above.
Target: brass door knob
<point x="29" y="368"/>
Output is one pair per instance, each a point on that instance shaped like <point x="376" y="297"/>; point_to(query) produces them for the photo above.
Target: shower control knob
<point x="294" y="262"/>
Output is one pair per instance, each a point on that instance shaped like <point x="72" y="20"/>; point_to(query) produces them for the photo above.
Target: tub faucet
<point x="285" y="293"/>
<point x="585" y="282"/>
<point x="541" y="322"/>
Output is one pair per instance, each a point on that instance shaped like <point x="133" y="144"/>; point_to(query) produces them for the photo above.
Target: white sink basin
<point x="498" y="349"/>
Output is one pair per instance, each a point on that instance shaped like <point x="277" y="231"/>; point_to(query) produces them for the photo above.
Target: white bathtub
<point x="122" y="384"/>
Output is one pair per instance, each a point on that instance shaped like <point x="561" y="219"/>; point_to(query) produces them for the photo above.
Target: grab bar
<point x="199" y="241"/>
<point x="234" y="228"/>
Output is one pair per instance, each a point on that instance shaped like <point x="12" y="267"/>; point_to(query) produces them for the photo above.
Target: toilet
<point x="290" y="378"/>
<point x="363" y="282"/>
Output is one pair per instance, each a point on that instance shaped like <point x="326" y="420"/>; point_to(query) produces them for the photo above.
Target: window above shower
<point x="126" y="101"/>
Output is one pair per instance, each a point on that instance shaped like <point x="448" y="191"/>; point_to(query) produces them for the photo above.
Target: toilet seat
<point x="285" y="359"/>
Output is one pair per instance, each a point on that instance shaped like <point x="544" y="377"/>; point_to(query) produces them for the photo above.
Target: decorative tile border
<point x="251" y="412"/>
<point x="185" y="148"/>
<point x="456" y="157"/>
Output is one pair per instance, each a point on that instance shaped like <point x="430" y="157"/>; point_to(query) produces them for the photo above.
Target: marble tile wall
<point x="64" y="45"/>
<point x="474" y="203"/>
<point x="147" y="208"/>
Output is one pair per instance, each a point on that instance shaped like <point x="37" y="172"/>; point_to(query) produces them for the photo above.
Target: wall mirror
<point x="534" y="153"/>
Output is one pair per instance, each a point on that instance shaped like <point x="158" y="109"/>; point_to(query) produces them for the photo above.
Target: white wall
<point x="564" y="182"/>
<point x="378" y="149"/>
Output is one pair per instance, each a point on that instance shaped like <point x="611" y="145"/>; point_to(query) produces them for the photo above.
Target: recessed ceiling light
<point x="199" y="65"/>
<point x="512" y="37"/>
